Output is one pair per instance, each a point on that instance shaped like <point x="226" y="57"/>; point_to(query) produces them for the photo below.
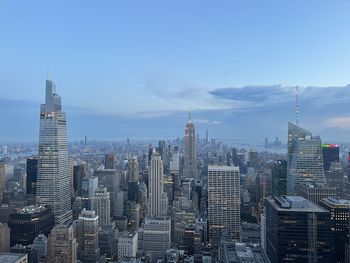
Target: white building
<point x="127" y="245"/>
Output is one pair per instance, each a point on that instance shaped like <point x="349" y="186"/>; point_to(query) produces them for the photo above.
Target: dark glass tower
<point x="32" y="173"/>
<point x="279" y="178"/>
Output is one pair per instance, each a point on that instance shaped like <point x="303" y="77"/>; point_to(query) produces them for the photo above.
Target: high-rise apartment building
<point x="190" y="165"/>
<point x="297" y="230"/>
<point x="101" y="204"/>
<point x="32" y="175"/>
<point x="62" y="245"/>
<point x="88" y="249"/>
<point x="157" y="197"/>
<point x="53" y="182"/>
<point x="305" y="159"/>
<point x="223" y="202"/>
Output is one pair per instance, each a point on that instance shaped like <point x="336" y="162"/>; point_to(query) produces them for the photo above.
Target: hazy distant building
<point x="279" y="178"/>
<point x="101" y="205"/>
<point x="110" y="161"/>
<point x="4" y="238"/>
<point x="305" y="159"/>
<point x="190" y="158"/>
<point x="133" y="171"/>
<point x="224" y="202"/>
<point x="107" y="242"/>
<point x="29" y="222"/>
<point x="62" y="245"/>
<point x="2" y="178"/>
<point x="297" y="231"/>
<point x="32" y="175"/>
<point x="88" y="249"/>
<point x="53" y="182"/>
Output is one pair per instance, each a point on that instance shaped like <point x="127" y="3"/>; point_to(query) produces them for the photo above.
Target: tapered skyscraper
<point x="53" y="182"/>
<point x="190" y="166"/>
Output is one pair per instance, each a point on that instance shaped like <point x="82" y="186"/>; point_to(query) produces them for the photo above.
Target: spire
<point x="190" y="116"/>
<point x="296" y="106"/>
<point x="48" y="72"/>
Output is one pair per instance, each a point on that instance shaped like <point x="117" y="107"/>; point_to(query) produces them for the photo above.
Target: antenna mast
<point x="297" y="106"/>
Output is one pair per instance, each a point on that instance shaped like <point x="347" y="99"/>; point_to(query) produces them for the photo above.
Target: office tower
<point x="315" y="193"/>
<point x="13" y="258"/>
<point x="110" y="179"/>
<point x="154" y="237"/>
<point x="156" y="194"/>
<point x="330" y="153"/>
<point x="101" y="205"/>
<point x="133" y="171"/>
<point x="190" y="165"/>
<point x="127" y="245"/>
<point x="305" y="159"/>
<point x="88" y="187"/>
<point x="62" y="245"/>
<point x="162" y="150"/>
<point x="29" y="250"/>
<point x="340" y="210"/>
<point x="335" y="177"/>
<point x="79" y="172"/>
<point x="134" y="216"/>
<point x="53" y="182"/>
<point x="40" y="244"/>
<point x="19" y="175"/>
<point x="32" y="173"/>
<point x="279" y="178"/>
<point x="5" y="212"/>
<point x="297" y="230"/>
<point x="4" y="238"/>
<point x="110" y="160"/>
<point x="121" y="203"/>
<point x="175" y="160"/>
<point x="107" y="242"/>
<point x="2" y="178"/>
<point x="88" y="250"/>
<point x="223" y="202"/>
<point x="29" y="222"/>
<point x="77" y="207"/>
<point x="253" y="159"/>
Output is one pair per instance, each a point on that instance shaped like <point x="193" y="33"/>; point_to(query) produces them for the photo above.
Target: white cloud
<point x="338" y="122"/>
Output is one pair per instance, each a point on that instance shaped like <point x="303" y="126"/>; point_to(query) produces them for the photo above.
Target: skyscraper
<point x="330" y="154"/>
<point x="2" y="178"/>
<point x="32" y="174"/>
<point x="305" y="159"/>
<point x="156" y="195"/>
<point x="190" y="166"/>
<point x="110" y="161"/>
<point x="223" y="202"/>
<point x="279" y="178"/>
<point x="102" y="207"/>
<point x="297" y="230"/>
<point x="53" y="183"/>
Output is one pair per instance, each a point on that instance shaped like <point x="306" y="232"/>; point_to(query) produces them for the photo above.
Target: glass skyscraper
<point x="53" y="182"/>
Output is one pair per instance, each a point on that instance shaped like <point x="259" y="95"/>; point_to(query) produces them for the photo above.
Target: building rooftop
<point x="223" y="168"/>
<point x="11" y="257"/>
<point x="32" y="209"/>
<point x="336" y="202"/>
<point x="294" y="203"/>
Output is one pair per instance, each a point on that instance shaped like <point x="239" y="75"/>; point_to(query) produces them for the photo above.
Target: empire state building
<point x="190" y="166"/>
<point x="53" y="177"/>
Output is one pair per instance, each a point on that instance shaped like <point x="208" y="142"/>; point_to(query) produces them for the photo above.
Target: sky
<point x="135" y="68"/>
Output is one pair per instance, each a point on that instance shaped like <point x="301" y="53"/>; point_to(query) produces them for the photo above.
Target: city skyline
<point x="175" y="57"/>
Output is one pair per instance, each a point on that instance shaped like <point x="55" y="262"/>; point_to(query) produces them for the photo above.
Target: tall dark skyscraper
<point x="279" y="178"/>
<point x="297" y="230"/>
<point x="330" y="154"/>
<point x="32" y="173"/>
<point x="53" y="184"/>
<point x="190" y="166"/>
<point x="110" y="161"/>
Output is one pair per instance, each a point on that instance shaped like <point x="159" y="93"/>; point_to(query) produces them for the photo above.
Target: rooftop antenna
<point x="297" y="105"/>
<point x="48" y="72"/>
<point x="190" y="115"/>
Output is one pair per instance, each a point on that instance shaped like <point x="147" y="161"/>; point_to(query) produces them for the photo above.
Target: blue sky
<point x="133" y="68"/>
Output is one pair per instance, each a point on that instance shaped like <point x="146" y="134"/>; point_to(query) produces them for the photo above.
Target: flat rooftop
<point x="294" y="203"/>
